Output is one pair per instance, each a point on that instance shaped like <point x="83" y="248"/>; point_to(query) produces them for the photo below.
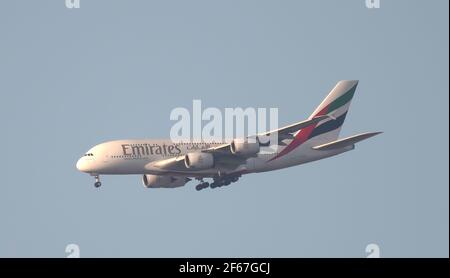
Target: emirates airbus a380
<point x="165" y="164"/>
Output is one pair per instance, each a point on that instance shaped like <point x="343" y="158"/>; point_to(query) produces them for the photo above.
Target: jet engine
<point x="199" y="161"/>
<point x="244" y="147"/>
<point x="155" y="181"/>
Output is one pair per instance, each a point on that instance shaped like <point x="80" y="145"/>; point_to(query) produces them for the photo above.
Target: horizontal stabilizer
<point x="342" y="143"/>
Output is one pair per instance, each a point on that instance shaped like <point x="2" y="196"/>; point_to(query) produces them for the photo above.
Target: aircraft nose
<point x="81" y="165"/>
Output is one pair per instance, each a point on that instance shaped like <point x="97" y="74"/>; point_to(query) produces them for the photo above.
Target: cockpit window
<point x="89" y="154"/>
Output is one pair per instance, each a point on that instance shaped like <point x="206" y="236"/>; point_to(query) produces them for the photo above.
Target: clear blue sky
<point x="70" y="79"/>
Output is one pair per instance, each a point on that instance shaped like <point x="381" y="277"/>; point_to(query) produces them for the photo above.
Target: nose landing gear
<point x="97" y="183"/>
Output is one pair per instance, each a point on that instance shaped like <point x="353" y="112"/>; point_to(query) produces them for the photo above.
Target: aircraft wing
<point x="170" y="164"/>
<point x="297" y="126"/>
<point x="178" y="164"/>
<point x="283" y="133"/>
<point x="222" y="153"/>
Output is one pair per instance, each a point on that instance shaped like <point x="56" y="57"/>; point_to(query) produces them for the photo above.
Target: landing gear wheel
<point x="214" y="185"/>
<point x="201" y="186"/>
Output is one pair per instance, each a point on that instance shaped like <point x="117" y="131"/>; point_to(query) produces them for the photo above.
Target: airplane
<point x="168" y="164"/>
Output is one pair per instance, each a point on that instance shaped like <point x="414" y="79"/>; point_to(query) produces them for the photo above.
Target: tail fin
<point x="336" y="104"/>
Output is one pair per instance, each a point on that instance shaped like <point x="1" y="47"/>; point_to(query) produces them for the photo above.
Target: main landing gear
<point x="218" y="182"/>
<point x="97" y="183"/>
<point x="201" y="185"/>
<point x="224" y="181"/>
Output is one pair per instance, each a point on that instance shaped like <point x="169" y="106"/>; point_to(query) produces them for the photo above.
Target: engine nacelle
<point x="199" y="161"/>
<point x="155" y="181"/>
<point x="244" y="148"/>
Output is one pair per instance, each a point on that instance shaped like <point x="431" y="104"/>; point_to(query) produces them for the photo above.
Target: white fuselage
<point x="124" y="157"/>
